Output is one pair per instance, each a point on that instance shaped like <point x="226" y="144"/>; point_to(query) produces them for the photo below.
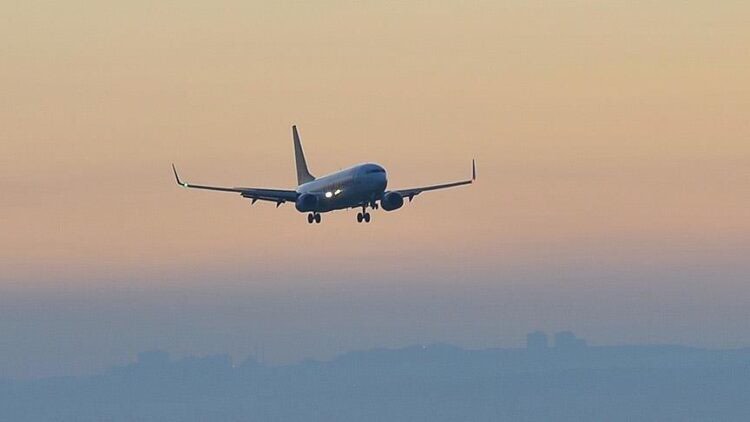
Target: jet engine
<point x="306" y="202"/>
<point x="392" y="201"/>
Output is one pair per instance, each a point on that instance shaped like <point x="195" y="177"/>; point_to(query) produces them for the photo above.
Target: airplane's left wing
<point x="412" y="192"/>
<point x="279" y="196"/>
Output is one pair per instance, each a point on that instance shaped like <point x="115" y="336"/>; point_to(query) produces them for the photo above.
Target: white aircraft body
<point x="360" y="186"/>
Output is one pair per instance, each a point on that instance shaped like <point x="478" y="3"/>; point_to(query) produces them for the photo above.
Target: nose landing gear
<point x="313" y="218"/>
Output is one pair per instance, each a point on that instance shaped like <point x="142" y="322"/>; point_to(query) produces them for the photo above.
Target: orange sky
<point x="604" y="131"/>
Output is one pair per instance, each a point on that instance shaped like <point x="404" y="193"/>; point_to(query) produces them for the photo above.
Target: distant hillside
<point x="420" y="383"/>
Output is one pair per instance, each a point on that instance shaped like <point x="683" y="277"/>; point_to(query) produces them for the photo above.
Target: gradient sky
<point x="612" y="142"/>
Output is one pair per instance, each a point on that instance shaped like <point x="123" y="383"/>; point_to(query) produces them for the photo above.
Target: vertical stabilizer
<point x="303" y="175"/>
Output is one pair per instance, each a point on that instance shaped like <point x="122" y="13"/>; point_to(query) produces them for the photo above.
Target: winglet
<point x="473" y="170"/>
<point x="177" y="177"/>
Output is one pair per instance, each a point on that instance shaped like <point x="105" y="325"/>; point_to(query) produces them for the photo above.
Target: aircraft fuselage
<point x="348" y="188"/>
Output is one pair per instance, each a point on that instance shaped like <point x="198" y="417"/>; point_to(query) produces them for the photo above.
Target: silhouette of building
<point x="636" y="382"/>
<point x="537" y="341"/>
<point x="566" y="340"/>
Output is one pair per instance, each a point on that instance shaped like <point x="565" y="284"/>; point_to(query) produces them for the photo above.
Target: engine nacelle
<point x="306" y="202"/>
<point x="392" y="201"/>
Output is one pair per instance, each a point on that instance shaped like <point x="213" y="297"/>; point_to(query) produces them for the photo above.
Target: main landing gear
<point x="313" y="217"/>
<point x="364" y="215"/>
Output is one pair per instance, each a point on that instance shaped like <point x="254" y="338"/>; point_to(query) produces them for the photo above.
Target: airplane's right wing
<point x="279" y="196"/>
<point x="412" y="192"/>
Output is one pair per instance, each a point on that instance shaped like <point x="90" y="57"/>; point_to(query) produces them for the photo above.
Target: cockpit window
<point x="375" y="171"/>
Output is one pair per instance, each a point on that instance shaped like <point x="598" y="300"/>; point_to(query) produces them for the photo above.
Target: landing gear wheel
<point x="310" y="218"/>
<point x="360" y="217"/>
<point x="317" y="218"/>
<point x="367" y="217"/>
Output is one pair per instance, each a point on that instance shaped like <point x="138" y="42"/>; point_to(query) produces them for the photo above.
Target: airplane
<point x="363" y="185"/>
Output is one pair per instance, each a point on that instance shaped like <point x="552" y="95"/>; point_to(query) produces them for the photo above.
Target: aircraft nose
<point x="382" y="181"/>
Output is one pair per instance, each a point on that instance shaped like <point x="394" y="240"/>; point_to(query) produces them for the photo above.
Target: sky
<point x="612" y="142"/>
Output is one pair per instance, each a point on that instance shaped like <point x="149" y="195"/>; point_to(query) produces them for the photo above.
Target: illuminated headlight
<point x="338" y="191"/>
<point x="329" y="194"/>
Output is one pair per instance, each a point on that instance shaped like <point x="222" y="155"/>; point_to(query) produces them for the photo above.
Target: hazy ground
<point x="420" y="383"/>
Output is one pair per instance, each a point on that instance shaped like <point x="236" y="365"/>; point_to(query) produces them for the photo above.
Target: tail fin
<point x="303" y="175"/>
